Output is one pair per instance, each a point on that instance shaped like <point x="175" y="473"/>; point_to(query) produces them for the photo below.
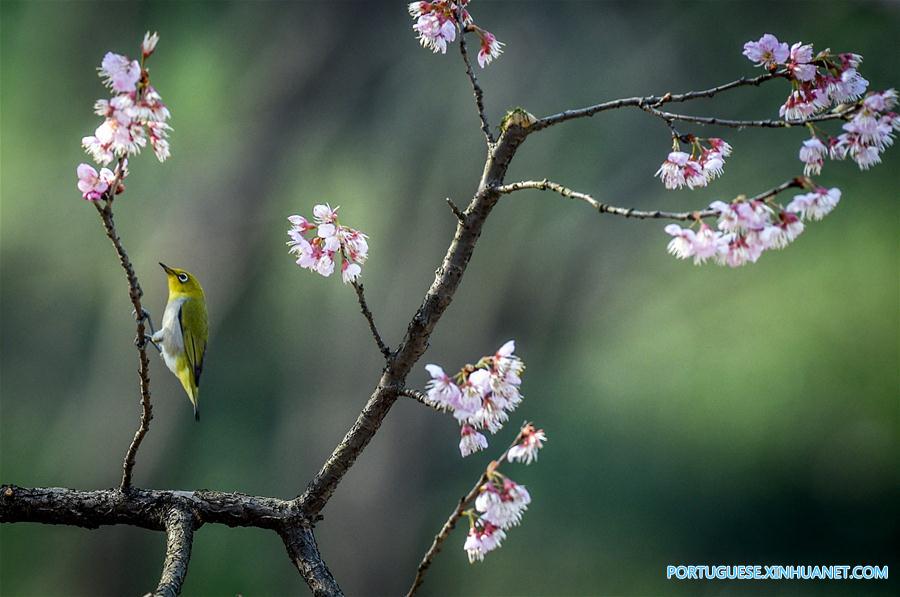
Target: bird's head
<point x="182" y="283"/>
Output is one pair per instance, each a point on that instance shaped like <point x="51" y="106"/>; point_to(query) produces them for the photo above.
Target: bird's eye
<point x="182" y="278"/>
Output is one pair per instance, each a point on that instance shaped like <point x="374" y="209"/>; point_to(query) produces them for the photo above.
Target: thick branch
<point x="364" y="307"/>
<point x="179" y="539"/>
<point x="650" y="100"/>
<point x="135" y="293"/>
<point x="304" y="553"/>
<point x="144" y="508"/>
<point x="476" y="89"/>
<point x="178" y="513"/>
<point x="437" y="299"/>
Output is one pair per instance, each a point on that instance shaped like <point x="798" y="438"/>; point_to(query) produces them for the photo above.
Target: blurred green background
<point x="695" y="415"/>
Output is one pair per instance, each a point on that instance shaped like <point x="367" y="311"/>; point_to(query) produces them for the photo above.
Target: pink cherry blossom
<point x="812" y="154"/>
<point x="502" y="503"/>
<point x="134" y="115"/>
<point x="483" y="537"/>
<point x="768" y="51"/>
<point x="119" y="73"/>
<point x="815" y="205"/>
<point x="682" y="243"/>
<point x="149" y="43"/>
<point x="93" y="184"/>
<point x="849" y="87"/>
<point x="799" y="65"/>
<point x="471" y="441"/>
<point x="482" y="395"/>
<point x="319" y="245"/>
<point x="490" y="48"/>
<point x="434" y="32"/>
<point x="526" y="451"/>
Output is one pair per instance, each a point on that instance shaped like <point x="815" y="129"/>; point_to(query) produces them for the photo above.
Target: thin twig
<point x="179" y="540"/>
<point x="456" y="515"/>
<point x="546" y="185"/>
<point x="651" y="100"/>
<point x="670" y="117"/>
<point x="476" y="89"/>
<point x="456" y="210"/>
<point x="134" y="293"/>
<point x="364" y="307"/>
<point x="422" y="398"/>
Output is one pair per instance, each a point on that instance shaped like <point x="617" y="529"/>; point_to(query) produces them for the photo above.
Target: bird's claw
<point x="145" y="316"/>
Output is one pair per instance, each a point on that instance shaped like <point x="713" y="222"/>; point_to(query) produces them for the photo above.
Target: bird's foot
<point x="145" y="316"/>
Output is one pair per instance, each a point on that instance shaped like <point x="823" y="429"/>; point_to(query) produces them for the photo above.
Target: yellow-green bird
<point x="182" y="338"/>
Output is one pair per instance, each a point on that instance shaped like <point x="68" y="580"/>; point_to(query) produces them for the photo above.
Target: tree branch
<point x="178" y="513"/>
<point x="650" y="100"/>
<point x="448" y="526"/>
<point x="546" y="185"/>
<point x="437" y="299"/>
<point x="364" y="307"/>
<point x="669" y="117"/>
<point x="135" y="293"/>
<point x="476" y="89"/>
<point x="304" y="553"/>
<point x="422" y="398"/>
<point x="179" y="540"/>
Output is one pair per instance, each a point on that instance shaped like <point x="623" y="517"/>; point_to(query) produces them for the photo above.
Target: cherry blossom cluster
<point x="818" y="80"/>
<point x="328" y="240"/>
<point x="501" y="502"/>
<point x="134" y="114"/>
<point x="480" y="396"/>
<point x="437" y="23"/>
<point x="868" y="133"/>
<point x="697" y="168"/>
<point x="745" y="229"/>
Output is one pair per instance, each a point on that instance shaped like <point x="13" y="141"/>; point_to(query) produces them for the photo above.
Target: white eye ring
<point x="182" y="278"/>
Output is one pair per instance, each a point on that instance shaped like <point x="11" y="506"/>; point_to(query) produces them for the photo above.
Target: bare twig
<point x="456" y="210"/>
<point x="448" y="526"/>
<point x="422" y="398"/>
<point x="135" y="293"/>
<point x="670" y="117"/>
<point x="179" y="540"/>
<point x="650" y="100"/>
<point x="476" y="89"/>
<point x="546" y="185"/>
<point x="364" y="307"/>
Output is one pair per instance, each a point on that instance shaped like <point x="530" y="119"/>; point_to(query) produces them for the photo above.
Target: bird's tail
<point x="195" y="400"/>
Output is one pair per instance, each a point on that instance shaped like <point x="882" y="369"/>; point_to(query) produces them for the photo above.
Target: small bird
<point x="182" y="338"/>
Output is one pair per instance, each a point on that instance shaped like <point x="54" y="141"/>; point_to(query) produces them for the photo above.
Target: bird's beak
<point x="167" y="268"/>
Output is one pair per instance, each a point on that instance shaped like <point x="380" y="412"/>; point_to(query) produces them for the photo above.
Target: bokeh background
<point x="695" y="415"/>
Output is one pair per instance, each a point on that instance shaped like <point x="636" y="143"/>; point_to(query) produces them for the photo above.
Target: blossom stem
<point x="670" y="117"/>
<point x="476" y="88"/>
<point x="546" y="185"/>
<point x="651" y="100"/>
<point x="364" y="307"/>
<point x="458" y="513"/>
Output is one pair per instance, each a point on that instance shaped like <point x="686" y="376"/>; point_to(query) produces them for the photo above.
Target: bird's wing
<point x="194" y="331"/>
